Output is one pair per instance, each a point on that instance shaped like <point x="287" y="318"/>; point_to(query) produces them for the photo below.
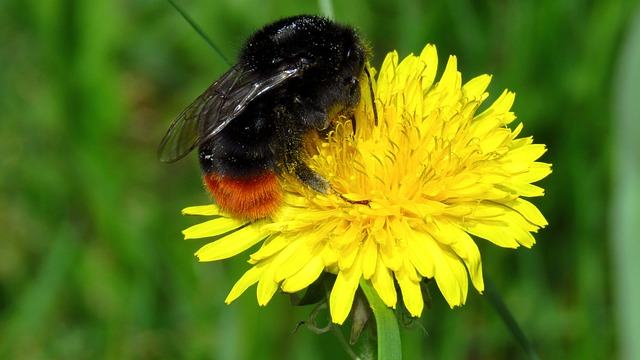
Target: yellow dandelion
<point x="409" y="193"/>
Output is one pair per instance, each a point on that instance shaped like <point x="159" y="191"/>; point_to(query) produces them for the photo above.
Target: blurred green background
<point x="92" y="265"/>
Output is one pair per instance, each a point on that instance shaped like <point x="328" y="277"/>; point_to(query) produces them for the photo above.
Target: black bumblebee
<point x="292" y="76"/>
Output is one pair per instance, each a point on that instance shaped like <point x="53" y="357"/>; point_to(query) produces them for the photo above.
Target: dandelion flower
<point x="409" y="195"/>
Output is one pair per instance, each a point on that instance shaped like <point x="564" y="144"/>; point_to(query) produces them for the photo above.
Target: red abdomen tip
<point x="250" y="198"/>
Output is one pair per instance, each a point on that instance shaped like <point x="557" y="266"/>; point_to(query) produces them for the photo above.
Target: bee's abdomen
<point x="249" y="197"/>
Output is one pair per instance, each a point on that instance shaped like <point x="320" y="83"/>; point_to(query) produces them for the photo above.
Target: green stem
<point x="199" y="30"/>
<point x="388" y="333"/>
<point x="492" y="294"/>
<point x="343" y="342"/>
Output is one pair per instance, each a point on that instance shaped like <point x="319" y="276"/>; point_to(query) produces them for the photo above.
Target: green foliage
<point x="92" y="265"/>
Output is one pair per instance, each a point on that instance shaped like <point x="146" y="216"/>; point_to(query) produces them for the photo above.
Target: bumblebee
<point x="292" y="76"/>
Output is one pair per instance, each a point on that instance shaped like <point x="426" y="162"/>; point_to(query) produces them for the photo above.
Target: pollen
<point x="250" y="198"/>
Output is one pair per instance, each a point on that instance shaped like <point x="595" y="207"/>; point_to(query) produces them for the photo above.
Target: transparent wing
<point x="222" y="102"/>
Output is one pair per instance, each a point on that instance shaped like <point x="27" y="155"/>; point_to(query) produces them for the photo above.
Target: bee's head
<point x="328" y="59"/>
<point x="314" y="42"/>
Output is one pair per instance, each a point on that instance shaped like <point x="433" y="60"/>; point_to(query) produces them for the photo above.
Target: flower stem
<point x="500" y="307"/>
<point x="388" y="333"/>
<point x="199" y="30"/>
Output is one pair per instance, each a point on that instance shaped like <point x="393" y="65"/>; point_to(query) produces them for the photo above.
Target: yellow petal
<point x="451" y="275"/>
<point x="343" y="291"/>
<point x="232" y="244"/>
<point x="304" y="277"/>
<point x="499" y="109"/>
<point x="249" y="278"/>
<point x="419" y="254"/>
<point x="212" y="228"/>
<point x="202" y="210"/>
<point x="293" y="258"/>
<point x="509" y="230"/>
<point x="529" y="211"/>
<point x="382" y="281"/>
<point x="468" y="251"/>
<point x="429" y="56"/>
<point x="270" y="247"/>
<point x="411" y="293"/>
<point x="369" y="258"/>
<point x="266" y="285"/>
<point x="475" y="88"/>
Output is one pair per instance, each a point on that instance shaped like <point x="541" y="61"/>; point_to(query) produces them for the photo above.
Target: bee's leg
<point x="313" y="117"/>
<point x="312" y="179"/>
<point x="319" y="120"/>
<point x="320" y="184"/>
<point x="305" y="175"/>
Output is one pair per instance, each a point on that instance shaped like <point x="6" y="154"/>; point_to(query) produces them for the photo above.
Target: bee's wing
<point x="222" y="102"/>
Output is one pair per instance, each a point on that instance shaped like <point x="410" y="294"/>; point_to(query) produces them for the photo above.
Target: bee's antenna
<point x="373" y="99"/>
<point x="199" y="31"/>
